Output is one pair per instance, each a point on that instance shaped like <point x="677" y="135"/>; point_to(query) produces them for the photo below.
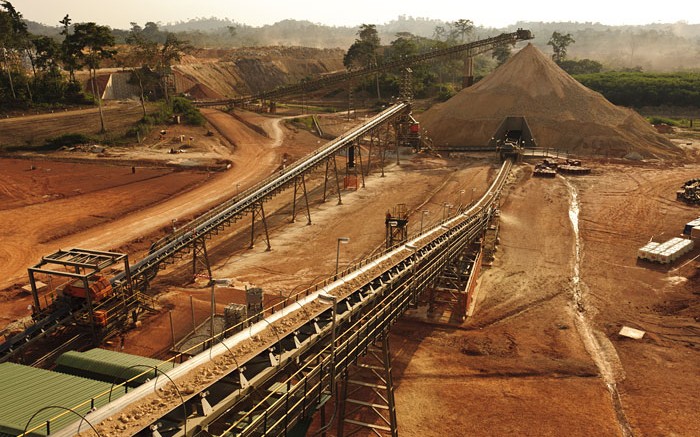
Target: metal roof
<point x="25" y="390"/>
<point x="110" y="366"/>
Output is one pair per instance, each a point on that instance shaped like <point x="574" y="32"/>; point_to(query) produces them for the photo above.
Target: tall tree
<point x="141" y="58"/>
<point x="172" y="50"/>
<point x="363" y="52"/>
<point x="501" y="54"/>
<point x="439" y="33"/>
<point x="70" y="51"/>
<point x="95" y="43"/>
<point x="463" y="28"/>
<point x="14" y="39"/>
<point x="560" y="43"/>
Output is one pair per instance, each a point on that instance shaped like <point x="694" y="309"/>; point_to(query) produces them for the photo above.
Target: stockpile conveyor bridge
<point x="272" y="376"/>
<point x="472" y="48"/>
<point x="249" y="201"/>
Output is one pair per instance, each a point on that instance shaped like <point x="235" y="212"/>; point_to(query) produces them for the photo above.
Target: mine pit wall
<point x="262" y="69"/>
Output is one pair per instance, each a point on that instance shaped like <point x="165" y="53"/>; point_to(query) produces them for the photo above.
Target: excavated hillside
<point x="561" y="113"/>
<point x="251" y="70"/>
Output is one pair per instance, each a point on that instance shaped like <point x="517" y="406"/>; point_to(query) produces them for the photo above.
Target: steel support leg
<point x="362" y="168"/>
<point x="368" y="395"/>
<point x="199" y="253"/>
<point x="294" y="199"/>
<point x="337" y="180"/>
<point x="325" y="181"/>
<point x="301" y="180"/>
<point x="267" y="234"/>
<point x="369" y="154"/>
<point x="306" y="200"/>
<point x="254" y="212"/>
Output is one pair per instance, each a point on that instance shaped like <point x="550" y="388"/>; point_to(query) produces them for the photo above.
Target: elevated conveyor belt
<point x="473" y="48"/>
<point x="292" y="373"/>
<point x="211" y="221"/>
<point x="142" y="272"/>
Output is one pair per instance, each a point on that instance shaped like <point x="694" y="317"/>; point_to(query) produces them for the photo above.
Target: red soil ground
<point x="524" y="363"/>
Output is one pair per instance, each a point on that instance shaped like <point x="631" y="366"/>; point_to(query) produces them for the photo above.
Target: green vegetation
<point x="189" y="113"/>
<point x="636" y="89"/>
<point x="560" y="44"/>
<point x="164" y="113"/>
<point x="54" y="60"/>
<point x="305" y="123"/>
<point x="664" y="120"/>
<point x="67" y="140"/>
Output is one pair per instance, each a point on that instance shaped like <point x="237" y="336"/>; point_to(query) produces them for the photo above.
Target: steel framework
<point x="472" y="48"/>
<point x="288" y="379"/>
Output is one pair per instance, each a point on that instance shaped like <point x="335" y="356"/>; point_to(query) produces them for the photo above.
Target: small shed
<point x="688" y="229"/>
<point x="111" y="366"/>
<point x="25" y="390"/>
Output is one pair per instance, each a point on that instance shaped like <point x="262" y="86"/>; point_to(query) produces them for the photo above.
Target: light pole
<point x="329" y="298"/>
<point x="460" y="199"/>
<point x="344" y="240"/>
<point x="238" y="189"/>
<point x="214" y="282"/>
<point x="472" y="198"/>
<point x="445" y="207"/>
<point x="422" y="216"/>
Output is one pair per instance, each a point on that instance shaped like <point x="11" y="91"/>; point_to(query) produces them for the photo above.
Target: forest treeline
<point x="652" y="47"/>
<point x="638" y="89"/>
<point x="39" y="62"/>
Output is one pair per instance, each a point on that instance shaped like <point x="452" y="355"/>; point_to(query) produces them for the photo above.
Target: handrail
<point x="437" y="237"/>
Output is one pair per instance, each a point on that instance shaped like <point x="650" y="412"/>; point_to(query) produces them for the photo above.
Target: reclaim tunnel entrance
<point x="513" y="132"/>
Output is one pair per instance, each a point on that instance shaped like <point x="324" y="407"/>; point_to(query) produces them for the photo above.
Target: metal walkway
<point x="291" y="375"/>
<point x="135" y="280"/>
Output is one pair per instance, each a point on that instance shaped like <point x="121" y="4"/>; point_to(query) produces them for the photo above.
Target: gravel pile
<point x="562" y="113"/>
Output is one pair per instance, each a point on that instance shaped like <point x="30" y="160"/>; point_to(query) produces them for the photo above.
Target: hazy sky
<point x="118" y="13"/>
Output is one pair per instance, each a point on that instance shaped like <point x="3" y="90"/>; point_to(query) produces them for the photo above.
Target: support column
<point x="367" y="402"/>
<point x="369" y="154"/>
<point x="337" y="179"/>
<point x="397" y="141"/>
<point x="362" y="167"/>
<point x="301" y="180"/>
<point x="468" y="77"/>
<point x="254" y="212"/>
<point x="199" y="253"/>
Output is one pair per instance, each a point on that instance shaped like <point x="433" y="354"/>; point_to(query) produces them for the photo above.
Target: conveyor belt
<point x="473" y="48"/>
<point x="369" y="301"/>
<point x="211" y="221"/>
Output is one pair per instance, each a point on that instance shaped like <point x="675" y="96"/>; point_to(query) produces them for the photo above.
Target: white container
<point x="695" y="232"/>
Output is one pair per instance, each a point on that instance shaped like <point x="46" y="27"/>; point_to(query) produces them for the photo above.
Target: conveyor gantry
<point x="473" y="48"/>
<point x="223" y="214"/>
<point x="211" y="222"/>
<point x="292" y="374"/>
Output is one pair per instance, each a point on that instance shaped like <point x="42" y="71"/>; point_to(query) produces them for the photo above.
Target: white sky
<point x="118" y="13"/>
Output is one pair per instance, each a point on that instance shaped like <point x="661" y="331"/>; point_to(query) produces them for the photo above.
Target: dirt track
<point x="122" y="210"/>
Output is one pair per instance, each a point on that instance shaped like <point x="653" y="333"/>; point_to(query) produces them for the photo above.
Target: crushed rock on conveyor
<point x="562" y="113"/>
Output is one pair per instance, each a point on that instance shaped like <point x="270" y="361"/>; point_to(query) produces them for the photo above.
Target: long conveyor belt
<point x="303" y="359"/>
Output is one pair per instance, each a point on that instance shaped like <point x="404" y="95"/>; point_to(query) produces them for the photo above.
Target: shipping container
<point x="690" y="225"/>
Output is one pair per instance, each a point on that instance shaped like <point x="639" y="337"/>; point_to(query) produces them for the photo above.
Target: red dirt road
<point x="118" y="210"/>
